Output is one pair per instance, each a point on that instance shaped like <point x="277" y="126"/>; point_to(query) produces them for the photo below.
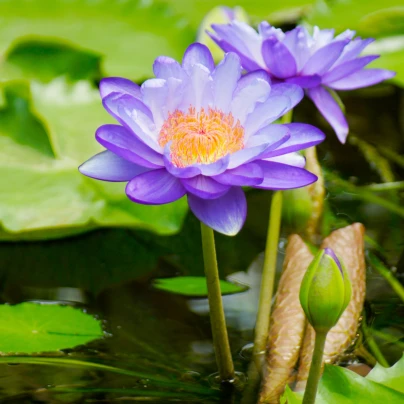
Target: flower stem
<point x="268" y="275"/>
<point x="372" y="345"/>
<point x="315" y="369"/>
<point x="217" y="318"/>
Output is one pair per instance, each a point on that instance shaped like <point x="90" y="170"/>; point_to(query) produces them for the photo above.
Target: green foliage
<point x="45" y="134"/>
<point x="383" y="21"/>
<point x="342" y="386"/>
<point x="194" y="286"/>
<point x="32" y="328"/>
<point x="128" y="34"/>
<point x="392" y="377"/>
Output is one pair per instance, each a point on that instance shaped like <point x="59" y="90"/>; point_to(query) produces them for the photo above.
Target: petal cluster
<point x="317" y="62"/>
<point x="204" y="131"/>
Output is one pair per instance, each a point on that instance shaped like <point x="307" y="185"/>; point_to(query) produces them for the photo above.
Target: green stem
<point x="372" y="345"/>
<point x="388" y="338"/>
<point x="217" y="318"/>
<point x="388" y="275"/>
<point x="315" y="369"/>
<point x="268" y="275"/>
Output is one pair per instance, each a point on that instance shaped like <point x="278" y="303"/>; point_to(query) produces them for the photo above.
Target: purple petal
<point x="278" y="58"/>
<point x="293" y="91"/>
<point x="246" y="155"/>
<point x="119" y="85"/>
<point x="347" y="68"/>
<point x="225" y="78"/>
<point x="291" y="159"/>
<point x="199" y="92"/>
<point x="305" y="81"/>
<point x="267" y="112"/>
<point x="353" y="49"/>
<point x="124" y="144"/>
<point x="247" y="62"/>
<point x="297" y="41"/>
<point x="193" y="170"/>
<point x="250" y="90"/>
<point x="154" y="96"/>
<point x="301" y="136"/>
<point x="275" y="135"/>
<point x="204" y="187"/>
<point x="197" y="54"/>
<point x="225" y="214"/>
<point x="165" y="67"/>
<point x="135" y="116"/>
<point x="362" y="78"/>
<point x="330" y="110"/>
<point x="324" y="58"/>
<point x="245" y="175"/>
<point x="279" y="176"/>
<point x="155" y="188"/>
<point x="107" y="166"/>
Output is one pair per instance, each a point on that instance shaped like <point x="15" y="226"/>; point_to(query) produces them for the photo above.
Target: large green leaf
<point x="342" y="386"/>
<point x="392" y="377"/>
<point x="127" y="34"/>
<point x="46" y="132"/>
<point x="274" y="11"/>
<point x="31" y="327"/>
<point x="372" y="18"/>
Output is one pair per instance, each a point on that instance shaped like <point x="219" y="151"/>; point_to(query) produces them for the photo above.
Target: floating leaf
<point x="43" y="194"/>
<point x="342" y="386"/>
<point x="31" y="327"/>
<point x="392" y="377"/>
<point x="128" y="35"/>
<point x="194" y="286"/>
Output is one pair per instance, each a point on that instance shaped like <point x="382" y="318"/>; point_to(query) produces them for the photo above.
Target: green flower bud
<point x="219" y="15"/>
<point x="325" y="291"/>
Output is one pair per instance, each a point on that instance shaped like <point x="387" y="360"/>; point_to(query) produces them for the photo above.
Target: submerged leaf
<point x="347" y="243"/>
<point x="31" y="327"/>
<point x="287" y="322"/>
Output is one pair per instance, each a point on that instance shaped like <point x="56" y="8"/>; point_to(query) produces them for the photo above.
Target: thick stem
<point x="268" y="275"/>
<point x="217" y="318"/>
<point x="315" y="369"/>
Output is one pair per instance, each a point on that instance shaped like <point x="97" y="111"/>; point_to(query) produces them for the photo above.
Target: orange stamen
<point x="201" y="137"/>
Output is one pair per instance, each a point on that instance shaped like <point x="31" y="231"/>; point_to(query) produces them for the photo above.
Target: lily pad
<point x="342" y="386"/>
<point x="46" y="132"/>
<point x="33" y="328"/>
<point x="127" y="34"/>
<point x="194" y="286"/>
<point x="392" y="377"/>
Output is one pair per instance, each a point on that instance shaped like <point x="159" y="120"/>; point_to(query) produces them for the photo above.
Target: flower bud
<point x="325" y="291"/>
<point x="219" y="15"/>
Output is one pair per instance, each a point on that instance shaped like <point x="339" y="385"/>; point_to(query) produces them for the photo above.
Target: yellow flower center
<point x="201" y="137"/>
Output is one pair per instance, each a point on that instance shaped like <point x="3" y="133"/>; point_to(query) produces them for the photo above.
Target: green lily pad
<point x="128" y="35"/>
<point x="46" y="132"/>
<point x="194" y="286"/>
<point x="392" y="377"/>
<point x="342" y="386"/>
<point x="31" y="327"/>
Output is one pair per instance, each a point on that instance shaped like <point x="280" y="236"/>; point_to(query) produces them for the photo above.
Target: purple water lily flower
<point x="203" y="131"/>
<point x="315" y="62"/>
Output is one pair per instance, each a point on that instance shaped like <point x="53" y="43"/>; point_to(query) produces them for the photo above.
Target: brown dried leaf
<point x="347" y="243"/>
<point x="287" y="322"/>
